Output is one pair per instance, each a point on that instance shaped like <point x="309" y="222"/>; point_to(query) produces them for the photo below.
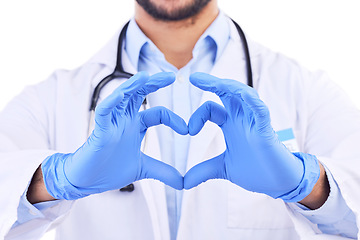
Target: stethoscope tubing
<point x="119" y="72"/>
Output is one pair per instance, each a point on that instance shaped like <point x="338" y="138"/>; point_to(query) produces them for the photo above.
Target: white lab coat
<point x="53" y="117"/>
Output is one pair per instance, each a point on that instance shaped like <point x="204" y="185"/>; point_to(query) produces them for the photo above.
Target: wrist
<point x="311" y="175"/>
<point x="56" y="181"/>
<point x="37" y="191"/>
<point x="319" y="193"/>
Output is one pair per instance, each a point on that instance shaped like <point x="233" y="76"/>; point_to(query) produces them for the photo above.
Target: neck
<point x="177" y="39"/>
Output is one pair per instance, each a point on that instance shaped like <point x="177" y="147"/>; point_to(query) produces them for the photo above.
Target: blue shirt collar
<point x="218" y="33"/>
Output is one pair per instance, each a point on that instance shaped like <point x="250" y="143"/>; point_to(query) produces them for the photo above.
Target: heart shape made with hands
<point x="111" y="157"/>
<point x="254" y="158"/>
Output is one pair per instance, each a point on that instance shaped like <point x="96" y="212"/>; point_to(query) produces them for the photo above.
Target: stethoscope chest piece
<point x="128" y="188"/>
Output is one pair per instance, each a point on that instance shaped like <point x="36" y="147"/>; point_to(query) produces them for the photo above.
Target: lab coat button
<point x="180" y="78"/>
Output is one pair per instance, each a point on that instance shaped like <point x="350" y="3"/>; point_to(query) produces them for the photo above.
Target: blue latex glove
<point x="254" y="159"/>
<point x="111" y="157"/>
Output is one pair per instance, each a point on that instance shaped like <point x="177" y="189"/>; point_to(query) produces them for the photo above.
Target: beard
<point x="175" y="14"/>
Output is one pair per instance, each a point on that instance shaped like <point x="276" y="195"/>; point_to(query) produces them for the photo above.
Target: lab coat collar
<point x="107" y="55"/>
<point x="138" y="43"/>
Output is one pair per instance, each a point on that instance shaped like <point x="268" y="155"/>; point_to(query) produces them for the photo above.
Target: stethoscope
<point x="119" y="72"/>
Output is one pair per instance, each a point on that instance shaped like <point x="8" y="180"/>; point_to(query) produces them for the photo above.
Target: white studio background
<point x="40" y="36"/>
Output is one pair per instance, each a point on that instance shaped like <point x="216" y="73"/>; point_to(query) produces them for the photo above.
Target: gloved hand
<point x="111" y="157"/>
<point x="254" y="159"/>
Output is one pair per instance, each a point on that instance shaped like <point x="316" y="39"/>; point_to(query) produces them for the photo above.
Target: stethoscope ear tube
<point x="250" y="82"/>
<point x="102" y="83"/>
<point x="118" y="72"/>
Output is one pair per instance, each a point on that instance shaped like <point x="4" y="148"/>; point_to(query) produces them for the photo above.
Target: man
<point x="262" y="180"/>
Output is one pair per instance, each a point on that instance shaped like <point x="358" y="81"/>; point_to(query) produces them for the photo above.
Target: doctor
<point x="241" y="181"/>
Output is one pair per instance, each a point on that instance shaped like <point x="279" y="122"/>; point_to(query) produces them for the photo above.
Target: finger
<point x="133" y="84"/>
<point x="154" y="83"/>
<point x="208" y="111"/>
<point x="154" y="169"/>
<point x="161" y="115"/>
<point x="157" y="81"/>
<point x="226" y="89"/>
<point x="210" y="169"/>
<point x="216" y="85"/>
<point x="108" y="104"/>
<point x="259" y="109"/>
<point x="121" y="94"/>
<point x="131" y="88"/>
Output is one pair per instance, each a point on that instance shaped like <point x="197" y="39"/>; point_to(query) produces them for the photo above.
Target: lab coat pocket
<point x="248" y="210"/>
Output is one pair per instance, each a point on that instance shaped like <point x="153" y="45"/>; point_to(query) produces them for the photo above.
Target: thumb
<point x="210" y="169"/>
<point x="155" y="169"/>
<point x="208" y="111"/>
<point x="161" y="115"/>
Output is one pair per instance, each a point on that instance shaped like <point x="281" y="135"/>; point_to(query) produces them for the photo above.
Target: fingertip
<point x="170" y="75"/>
<point x="179" y="184"/>
<point x="193" y="128"/>
<point x="161" y="79"/>
<point x="189" y="180"/>
<point x="205" y="81"/>
<point x="198" y="119"/>
<point x="164" y="76"/>
<point x="198" y="76"/>
<point x="183" y="129"/>
<point x="176" y="180"/>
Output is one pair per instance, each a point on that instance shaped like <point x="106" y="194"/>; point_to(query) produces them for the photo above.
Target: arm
<point x="24" y="143"/>
<point x="333" y="130"/>
<point x="256" y="161"/>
